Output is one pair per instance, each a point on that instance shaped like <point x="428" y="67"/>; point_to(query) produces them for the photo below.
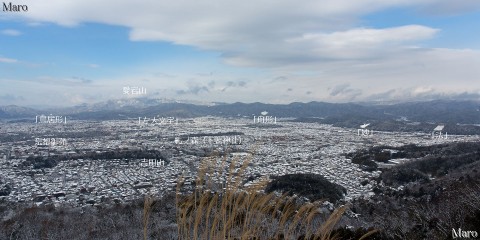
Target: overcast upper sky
<point x="62" y="53"/>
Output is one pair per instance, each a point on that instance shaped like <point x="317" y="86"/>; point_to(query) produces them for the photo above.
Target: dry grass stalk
<point x="237" y="212"/>
<point x="147" y="208"/>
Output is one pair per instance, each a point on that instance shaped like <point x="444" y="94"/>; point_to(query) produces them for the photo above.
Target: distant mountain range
<point x="439" y="111"/>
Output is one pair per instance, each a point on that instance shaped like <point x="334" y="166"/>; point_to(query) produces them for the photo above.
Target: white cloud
<point x="354" y="38"/>
<point x="261" y="33"/>
<point x="11" y="32"/>
<point x="359" y="43"/>
<point x="93" y="65"/>
<point x="288" y="37"/>
<point x="448" y="7"/>
<point x="7" y="60"/>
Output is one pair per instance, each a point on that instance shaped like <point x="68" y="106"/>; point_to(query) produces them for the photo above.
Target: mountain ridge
<point x="437" y="111"/>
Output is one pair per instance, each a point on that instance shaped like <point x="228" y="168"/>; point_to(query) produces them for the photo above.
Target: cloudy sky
<point x="62" y="53"/>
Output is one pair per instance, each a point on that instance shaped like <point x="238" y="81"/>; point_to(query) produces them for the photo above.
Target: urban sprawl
<point x="274" y="147"/>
